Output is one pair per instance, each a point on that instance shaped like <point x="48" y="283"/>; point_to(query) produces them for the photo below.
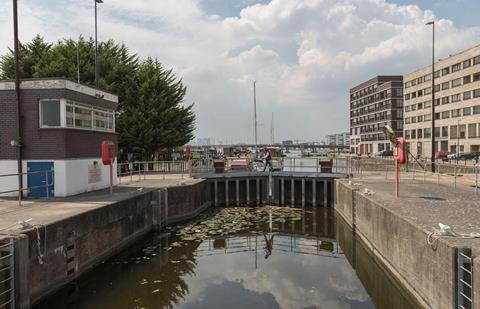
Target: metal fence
<point x="47" y="185"/>
<point x="7" y="274"/>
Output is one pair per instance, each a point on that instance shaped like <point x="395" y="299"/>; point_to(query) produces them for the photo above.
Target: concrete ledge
<point x="427" y="272"/>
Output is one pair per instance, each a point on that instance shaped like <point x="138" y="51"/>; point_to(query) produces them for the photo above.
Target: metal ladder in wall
<point x="464" y="279"/>
<point x="162" y="203"/>
<point x="7" y="274"/>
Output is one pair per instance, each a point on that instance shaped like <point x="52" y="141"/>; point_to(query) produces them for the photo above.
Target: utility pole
<point x="255" y="117"/>
<point x="432" y="23"/>
<point x="96" y="44"/>
<point x="18" y="143"/>
<point x="272" y="130"/>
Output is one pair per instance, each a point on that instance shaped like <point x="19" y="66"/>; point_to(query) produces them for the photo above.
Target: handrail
<point x="20" y="191"/>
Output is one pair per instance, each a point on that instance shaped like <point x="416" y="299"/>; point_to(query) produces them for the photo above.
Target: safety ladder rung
<point x="6" y="280"/>
<point x="467" y="284"/>
<point x="6" y="256"/>
<point x="4" y="305"/>
<point x="465" y="256"/>
<point x="7" y="291"/>
<point x="468" y="271"/>
<point x="469" y="299"/>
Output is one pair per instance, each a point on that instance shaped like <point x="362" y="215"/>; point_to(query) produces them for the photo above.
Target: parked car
<point x="470" y="155"/>
<point x="442" y="155"/>
<point x="385" y="153"/>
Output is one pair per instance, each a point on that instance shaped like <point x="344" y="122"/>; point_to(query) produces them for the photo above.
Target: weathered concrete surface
<point x="397" y="229"/>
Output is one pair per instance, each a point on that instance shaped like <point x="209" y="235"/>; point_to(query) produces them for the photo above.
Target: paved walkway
<point x="56" y="209"/>
<point x="427" y="203"/>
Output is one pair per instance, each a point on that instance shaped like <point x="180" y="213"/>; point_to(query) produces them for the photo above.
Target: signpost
<point x="399" y="155"/>
<point x="108" y="158"/>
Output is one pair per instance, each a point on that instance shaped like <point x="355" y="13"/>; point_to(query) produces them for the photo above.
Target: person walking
<point x="268" y="160"/>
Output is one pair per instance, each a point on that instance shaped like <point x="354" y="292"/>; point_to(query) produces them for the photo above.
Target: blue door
<point x="40" y="176"/>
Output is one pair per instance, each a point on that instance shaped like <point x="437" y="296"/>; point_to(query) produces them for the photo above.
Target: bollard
<point x="476" y="179"/>
<point x="455" y="176"/>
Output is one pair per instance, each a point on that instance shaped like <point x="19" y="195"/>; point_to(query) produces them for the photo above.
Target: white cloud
<point x="304" y="54"/>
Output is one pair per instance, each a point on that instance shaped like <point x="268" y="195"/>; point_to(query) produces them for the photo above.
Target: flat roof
<point x="444" y="59"/>
<point x="377" y="79"/>
<point x="58" y="83"/>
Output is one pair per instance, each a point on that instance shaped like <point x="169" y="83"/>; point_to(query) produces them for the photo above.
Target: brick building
<point x="63" y="125"/>
<point x="457" y="106"/>
<point x="374" y="104"/>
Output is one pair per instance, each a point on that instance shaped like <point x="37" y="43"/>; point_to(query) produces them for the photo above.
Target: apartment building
<point x="374" y="104"/>
<point x="340" y="139"/>
<point x="457" y="105"/>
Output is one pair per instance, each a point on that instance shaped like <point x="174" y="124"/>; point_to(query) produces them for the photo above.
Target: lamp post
<point x="96" y="44"/>
<point x="255" y="117"/>
<point x="432" y="23"/>
<point x="17" y="143"/>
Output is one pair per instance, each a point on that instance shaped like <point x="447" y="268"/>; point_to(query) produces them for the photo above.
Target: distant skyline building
<point x="340" y="139"/>
<point x="457" y="105"/>
<point x="374" y="104"/>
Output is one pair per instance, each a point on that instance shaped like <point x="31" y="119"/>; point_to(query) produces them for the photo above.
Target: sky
<point x="304" y="55"/>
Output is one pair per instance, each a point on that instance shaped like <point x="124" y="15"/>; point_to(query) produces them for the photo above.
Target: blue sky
<point x="305" y="55"/>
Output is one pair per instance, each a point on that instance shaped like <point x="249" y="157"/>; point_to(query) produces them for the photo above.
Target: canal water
<point x="309" y="260"/>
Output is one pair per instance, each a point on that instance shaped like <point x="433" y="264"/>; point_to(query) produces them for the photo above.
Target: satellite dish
<point x="390" y="134"/>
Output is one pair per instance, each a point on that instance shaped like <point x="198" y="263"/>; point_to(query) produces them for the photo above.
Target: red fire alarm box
<point x="401" y="151"/>
<point x="108" y="152"/>
<point x="360" y="150"/>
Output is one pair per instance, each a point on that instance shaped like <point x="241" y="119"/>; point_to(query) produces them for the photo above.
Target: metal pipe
<point x="433" y="95"/>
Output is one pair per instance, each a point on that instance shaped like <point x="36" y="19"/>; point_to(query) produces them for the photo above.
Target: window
<point x="414" y="134"/>
<point x="467" y="79"/>
<point x="414" y="82"/>
<point x="456" y="97"/>
<point x="467" y="111"/>
<point x="456" y="113"/>
<point x="456" y="82"/>
<point x="407" y="96"/>
<point x="445" y="131"/>
<point x="427" y="91"/>
<point x="420" y="80"/>
<point x="427" y="132"/>
<point x="453" y="132"/>
<point x="83" y="117"/>
<point x="408" y="84"/>
<point x="419" y="105"/>
<point x="445" y="85"/>
<point x="463" y="130"/>
<point x="419" y="118"/>
<point x="69" y="114"/>
<point x="476" y="93"/>
<point x="50" y="113"/>
<point x="427" y="104"/>
<point x="476" y="60"/>
<point x="437" y="88"/>
<point x="445" y="100"/>
<point x="467" y="63"/>
<point x="467" y="95"/>
<point x="407" y="134"/>
<point x="427" y="117"/>
<point x="437" y="132"/>
<point x="436" y="74"/>
<point x="445" y="115"/>
<point x="445" y="71"/>
<point x="456" y="67"/>
<point x="472" y="130"/>
<point x="476" y="77"/>
<point x="437" y="116"/>
<point x="414" y="95"/>
<point x="476" y="109"/>
<point x="407" y="120"/>
<point x="419" y="133"/>
<point x="427" y="77"/>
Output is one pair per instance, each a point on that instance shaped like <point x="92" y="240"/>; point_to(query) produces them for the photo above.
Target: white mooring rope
<point x="446" y="231"/>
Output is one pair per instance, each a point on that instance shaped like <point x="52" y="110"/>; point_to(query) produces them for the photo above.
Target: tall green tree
<point x="151" y="114"/>
<point x="157" y="119"/>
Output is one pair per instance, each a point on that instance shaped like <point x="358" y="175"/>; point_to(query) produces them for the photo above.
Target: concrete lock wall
<point x="428" y="273"/>
<point x="60" y="252"/>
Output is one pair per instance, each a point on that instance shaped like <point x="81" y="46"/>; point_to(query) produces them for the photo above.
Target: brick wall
<point x="47" y="143"/>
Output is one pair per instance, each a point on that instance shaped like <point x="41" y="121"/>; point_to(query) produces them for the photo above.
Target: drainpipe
<point x="17" y="90"/>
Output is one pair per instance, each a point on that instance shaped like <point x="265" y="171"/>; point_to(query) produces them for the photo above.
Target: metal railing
<point x="445" y="173"/>
<point x="137" y="171"/>
<point x="464" y="282"/>
<point x="47" y="185"/>
<point x="7" y="274"/>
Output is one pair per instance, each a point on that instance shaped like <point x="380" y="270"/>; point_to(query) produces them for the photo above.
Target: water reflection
<point x="380" y="285"/>
<point x="293" y="264"/>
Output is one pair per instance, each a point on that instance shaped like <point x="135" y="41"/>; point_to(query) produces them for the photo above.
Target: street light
<point x="432" y="23"/>
<point x="96" y="45"/>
